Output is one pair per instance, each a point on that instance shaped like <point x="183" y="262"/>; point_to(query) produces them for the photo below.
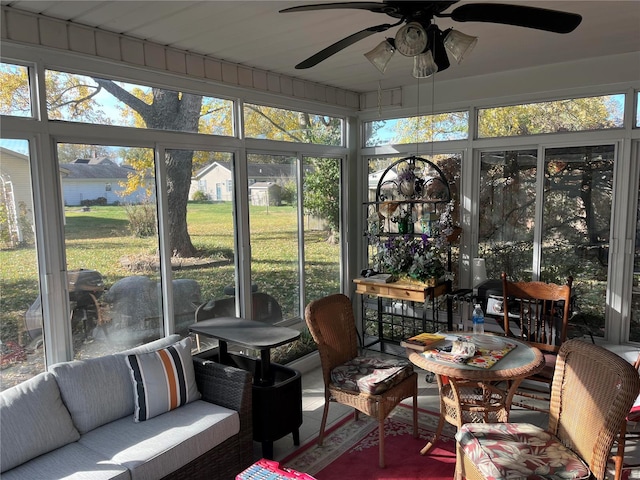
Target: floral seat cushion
<point x="370" y="375"/>
<point x="519" y="451"/>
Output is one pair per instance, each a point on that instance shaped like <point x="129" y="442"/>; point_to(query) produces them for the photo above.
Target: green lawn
<point x="100" y="240"/>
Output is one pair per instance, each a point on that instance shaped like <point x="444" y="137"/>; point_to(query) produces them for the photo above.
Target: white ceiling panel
<point x="254" y="33"/>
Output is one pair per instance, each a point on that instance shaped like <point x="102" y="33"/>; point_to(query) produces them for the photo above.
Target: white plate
<point x="488" y="342"/>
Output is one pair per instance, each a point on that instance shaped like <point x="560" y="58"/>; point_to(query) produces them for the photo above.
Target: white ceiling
<point x="254" y="34"/>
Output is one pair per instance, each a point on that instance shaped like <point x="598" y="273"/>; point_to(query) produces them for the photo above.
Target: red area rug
<point x="350" y="450"/>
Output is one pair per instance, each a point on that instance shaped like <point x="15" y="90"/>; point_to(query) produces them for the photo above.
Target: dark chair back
<point x="537" y="312"/>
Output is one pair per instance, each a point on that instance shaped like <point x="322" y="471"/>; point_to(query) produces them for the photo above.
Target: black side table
<point x="277" y="390"/>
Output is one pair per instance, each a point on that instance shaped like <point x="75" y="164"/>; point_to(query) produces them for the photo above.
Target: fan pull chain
<point x="379" y="99"/>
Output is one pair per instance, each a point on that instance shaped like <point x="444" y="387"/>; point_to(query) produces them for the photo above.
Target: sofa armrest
<point x="229" y="387"/>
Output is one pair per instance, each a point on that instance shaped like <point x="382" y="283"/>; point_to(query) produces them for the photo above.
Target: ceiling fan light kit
<point x="420" y="35"/>
<point x="423" y="65"/>
<point x="459" y="44"/>
<point x="436" y="45"/>
<point x="381" y="55"/>
<point x="411" y="39"/>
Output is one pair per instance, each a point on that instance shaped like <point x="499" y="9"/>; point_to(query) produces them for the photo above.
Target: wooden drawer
<point x="404" y="294"/>
<point x="372" y="289"/>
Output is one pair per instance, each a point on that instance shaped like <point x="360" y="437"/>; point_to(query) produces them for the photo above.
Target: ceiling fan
<point x="423" y="40"/>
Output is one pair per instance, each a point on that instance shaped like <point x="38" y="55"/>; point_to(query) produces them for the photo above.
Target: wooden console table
<point x="401" y="290"/>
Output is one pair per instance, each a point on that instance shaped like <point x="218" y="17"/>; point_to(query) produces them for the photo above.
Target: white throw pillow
<point x="162" y="380"/>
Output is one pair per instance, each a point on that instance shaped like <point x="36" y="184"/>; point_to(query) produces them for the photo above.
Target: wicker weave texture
<point x="592" y="392"/>
<point x="332" y="324"/>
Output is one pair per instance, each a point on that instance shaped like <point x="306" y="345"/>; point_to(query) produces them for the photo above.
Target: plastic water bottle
<point x="478" y="320"/>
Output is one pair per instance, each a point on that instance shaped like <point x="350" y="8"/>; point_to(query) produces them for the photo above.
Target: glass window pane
<point x="570" y="115"/>
<point x="290" y="126"/>
<point x="507" y="212"/>
<point x="15" y="95"/>
<point x="79" y="98"/>
<point x="321" y="187"/>
<point x="209" y="273"/>
<point x="21" y="354"/>
<point x="634" y="330"/>
<point x="424" y="128"/>
<point x="112" y="247"/>
<point x="273" y="224"/>
<point x="576" y="225"/>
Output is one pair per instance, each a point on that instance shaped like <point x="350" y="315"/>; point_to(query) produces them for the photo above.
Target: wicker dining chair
<point x="628" y="431"/>
<point x="592" y="392"/>
<point x="369" y="384"/>
<point x="537" y="313"/>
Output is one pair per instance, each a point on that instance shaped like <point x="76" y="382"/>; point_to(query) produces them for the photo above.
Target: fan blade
<point x="520" y="15"/>
<point x="376" y="7"/>
<point x="341" y="44"/>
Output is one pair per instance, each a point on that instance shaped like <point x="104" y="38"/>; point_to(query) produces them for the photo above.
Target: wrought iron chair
<point x="377" y="391"/>
<point x="538" y="313"/>
<point x="592" y="392"/>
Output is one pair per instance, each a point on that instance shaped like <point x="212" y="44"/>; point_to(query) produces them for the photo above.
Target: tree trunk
<point x="178" y="163"/>
<point x="176" y="111"/>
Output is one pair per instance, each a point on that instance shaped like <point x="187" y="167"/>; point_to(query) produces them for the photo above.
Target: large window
<point x="322" y="201"/>
<point x="506" y="212"/>
<point x="112" y="247"/>
<point x="576" y="224"/>
<point x="572" y="236"/>
<point x="20" y="303"/>
<point x="634" y="331"/>
<point x="273" y="223"/>
<point x="423" y="128"/>
<point x="569" y="115"/>
<point x="210" y="216"/>
<point x="291" y="126"/>
<point x="15" y="79"/>
<point x="100" y="101"/>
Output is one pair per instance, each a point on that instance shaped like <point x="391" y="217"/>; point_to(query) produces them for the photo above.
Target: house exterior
<point x="265" y="194"/>
<point x="216" y="180"/>
<point x="15" y="192"/>
<point x="90" y="179"/>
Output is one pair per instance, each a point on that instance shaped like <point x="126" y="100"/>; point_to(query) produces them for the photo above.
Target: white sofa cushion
<point x="162" y="380"/>
<point x="33" y="420"/>
<point x="71" y="462"/>
<point x="163" y="444"/>
<point x="98" y="390"/>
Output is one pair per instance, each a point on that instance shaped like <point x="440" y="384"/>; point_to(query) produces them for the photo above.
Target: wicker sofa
<point x="76" y="421"/>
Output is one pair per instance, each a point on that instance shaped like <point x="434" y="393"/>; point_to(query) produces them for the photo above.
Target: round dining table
<point x="471" y="393"/>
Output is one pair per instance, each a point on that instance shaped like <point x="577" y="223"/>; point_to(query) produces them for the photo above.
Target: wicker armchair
<point x="537" y="313"/>
<point x="592" y="392"/>
<point x="332" y="325"/>
<point x="633" y="419"/>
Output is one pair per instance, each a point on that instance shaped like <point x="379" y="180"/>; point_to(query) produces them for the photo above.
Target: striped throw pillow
<point x="162" y="380"/>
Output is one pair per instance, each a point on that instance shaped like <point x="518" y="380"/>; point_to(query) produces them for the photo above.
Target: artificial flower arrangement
<point x="418" y="257"/>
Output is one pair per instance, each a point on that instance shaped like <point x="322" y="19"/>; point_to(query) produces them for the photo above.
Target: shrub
<point x="200" y="196"/>
<point x="100" y="201"/>
<point x="142" y="219"/>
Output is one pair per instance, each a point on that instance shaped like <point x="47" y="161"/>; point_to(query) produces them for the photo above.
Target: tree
<point x="177" y="111"/>
<point x="74" y="98"/>
<point x="322" y="192"/>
